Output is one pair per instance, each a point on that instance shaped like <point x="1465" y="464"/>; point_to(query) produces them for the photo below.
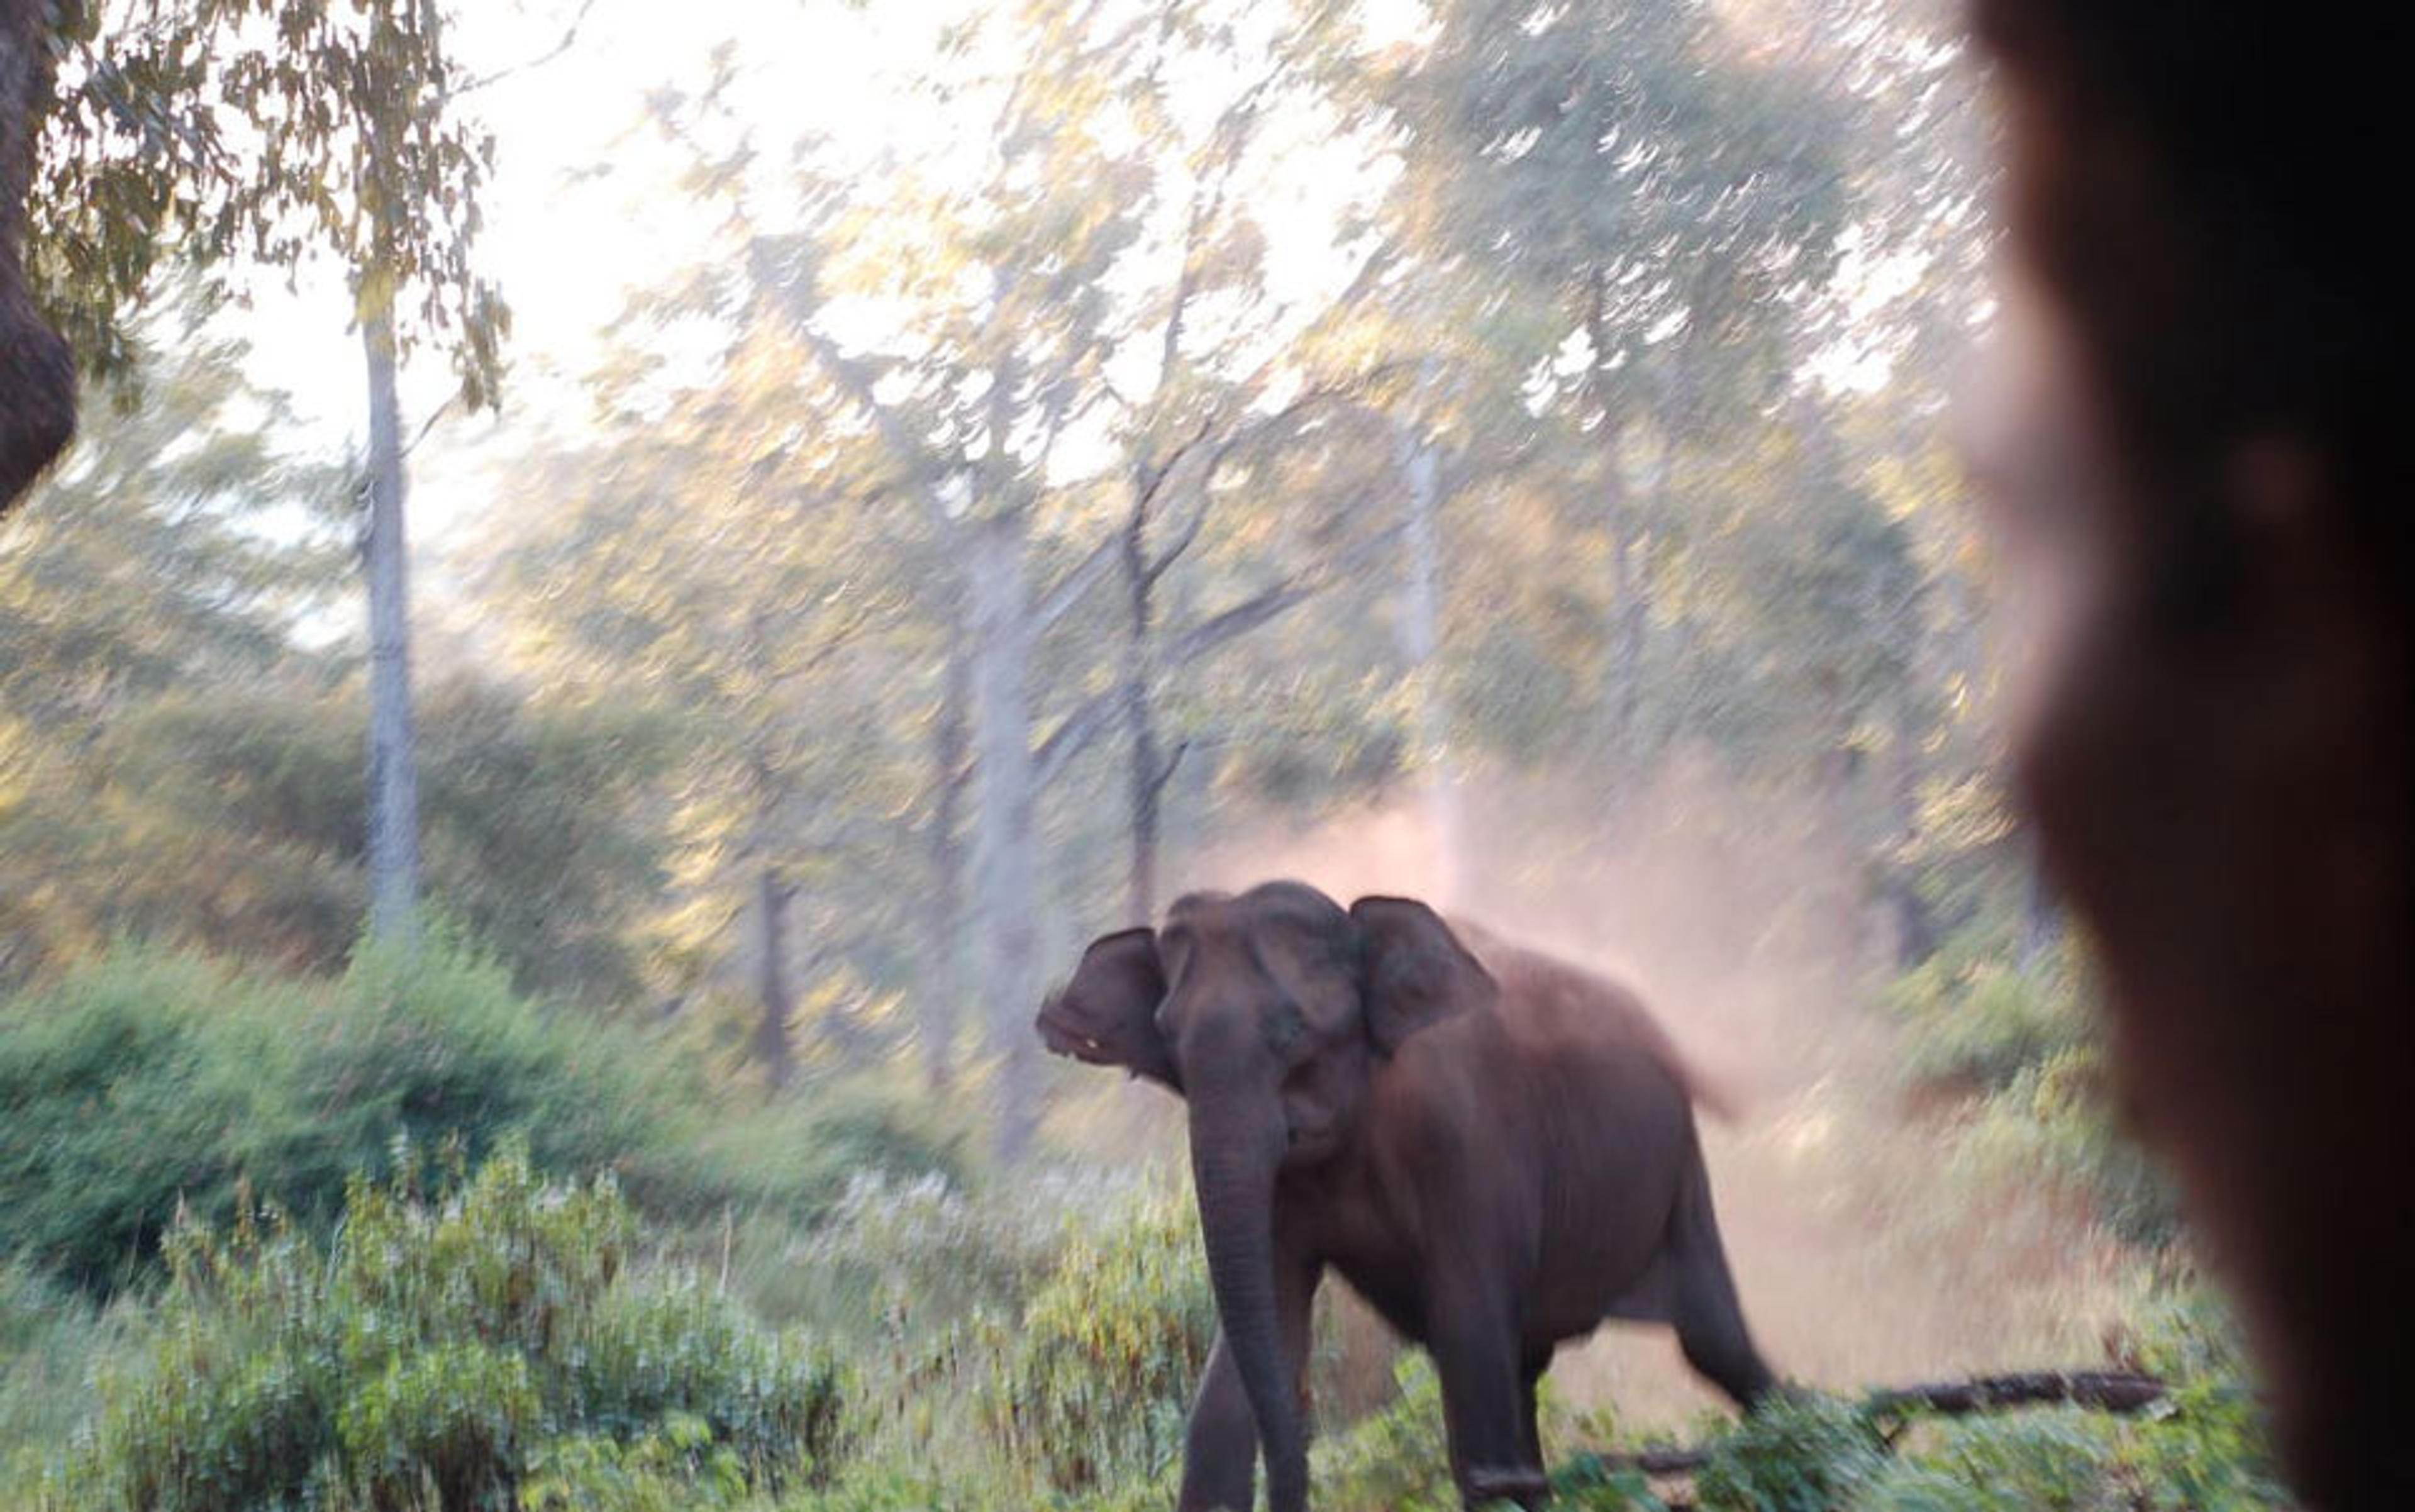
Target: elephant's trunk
<point x="1235" y="1145"/>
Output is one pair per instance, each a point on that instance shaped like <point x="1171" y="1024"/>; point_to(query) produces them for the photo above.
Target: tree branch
<point x="569" y="35"/>
<point x="1058" y="602"/>
<point x="852" y="378"/>
<point x="429" y="424"/>
<point x="1241" y="436"/>
<point x="2111" y="1391"/>
<point x="1229" y="138"/>
<point x="1074" y="733"/>
<point x="1172" y="764"/>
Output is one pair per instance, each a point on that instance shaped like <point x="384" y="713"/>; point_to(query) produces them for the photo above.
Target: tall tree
<point x="270" y="131"/>
<point x="1654" y="203"/>
<point x="415" y="173"/>
<point x="1419" y="461"/>
<point x="970" y="392"/>
<point x="36" y="373"/>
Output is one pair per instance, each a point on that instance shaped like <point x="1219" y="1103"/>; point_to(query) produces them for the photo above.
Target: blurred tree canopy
<point x="1228" y="417"/>
<point x="203" y="135"/>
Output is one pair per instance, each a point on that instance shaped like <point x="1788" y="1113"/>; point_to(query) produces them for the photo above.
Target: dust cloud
<point x="1863" y="1256"/>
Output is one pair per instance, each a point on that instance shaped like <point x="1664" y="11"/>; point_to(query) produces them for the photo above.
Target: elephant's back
<point x="1562" y="1014"/>
<point x="1607" y="1110"/>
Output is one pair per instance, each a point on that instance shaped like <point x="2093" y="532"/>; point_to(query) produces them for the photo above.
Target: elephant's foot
<point x="1504" y="1483"/>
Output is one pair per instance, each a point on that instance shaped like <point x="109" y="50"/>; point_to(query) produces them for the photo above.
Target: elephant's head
<point x="1268" y="1013"/>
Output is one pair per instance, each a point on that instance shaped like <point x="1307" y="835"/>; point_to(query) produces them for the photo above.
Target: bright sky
<point x="582" y="210"/>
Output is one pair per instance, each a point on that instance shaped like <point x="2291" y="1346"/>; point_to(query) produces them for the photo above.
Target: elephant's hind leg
<point x="1709" y="1320"/>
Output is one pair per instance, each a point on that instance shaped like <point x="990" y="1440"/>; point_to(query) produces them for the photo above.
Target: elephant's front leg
<point x="1484" y="1396"/>
<point x="1220" y="1452"/>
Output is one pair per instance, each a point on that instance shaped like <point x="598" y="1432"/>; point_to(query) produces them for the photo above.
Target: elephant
<point x="1496" y="1149"/>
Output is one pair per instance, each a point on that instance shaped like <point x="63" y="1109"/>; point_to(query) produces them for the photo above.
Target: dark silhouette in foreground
<point x="36" y="375"/>
<point x="1496" y="1150"/>
<point x="2212" y="468"/>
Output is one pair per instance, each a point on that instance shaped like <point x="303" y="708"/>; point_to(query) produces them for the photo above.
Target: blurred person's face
<point x="2207" y="732"/>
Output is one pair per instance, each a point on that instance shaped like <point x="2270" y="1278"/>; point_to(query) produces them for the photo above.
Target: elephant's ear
<point x="1107" y="1015"/>
<point x="1414" y="973"/>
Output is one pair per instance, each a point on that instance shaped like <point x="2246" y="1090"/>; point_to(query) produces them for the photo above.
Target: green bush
<point x="1098" y="1385"/>
<point x="2018" y="1041"/>
<point x="149" y="1083"/>
<point x="2203" y="1449"/>
<point x="896" y="1259"/>
<point x="448" y="1349"/>
<point x="1798" y="1453"/>
<point x="1392" y="1460"/>
<point x="1037" y="1343"/>
<point x="2053" y="1122"/>
<point x="51" y="1338"/>
<point x="1979" y="1020"/>
<point x="2051" y="1461"/>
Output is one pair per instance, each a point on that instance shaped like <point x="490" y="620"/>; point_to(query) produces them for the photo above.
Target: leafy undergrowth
<point x="499" y="1340"/>
<point x="2203" y="1449"/>
<point x="470" y="1341"/>
<point x="149" y="1083"/>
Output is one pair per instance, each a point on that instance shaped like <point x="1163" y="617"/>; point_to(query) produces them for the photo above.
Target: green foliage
<point x="248" y="811"/>
<point x="50" y="1340"/>
<point x="1982" y="1020"/>
<point x="1392" y="1460"/>
<point x="2201" y="1450"/>
<point x="919" y="1256"/>
<point x="1799" y="1453"/>
<point x="1097" y="1386"/>
<point x="2016" y="1039"/>
<point x="460" y="1342"/>
<point x="2054" y="1122"/>
<point x="674" y="1469"/>
<point x="2052" y="1460"/>
<point x="265" y="130"/>
<point x="148" y="1082"/>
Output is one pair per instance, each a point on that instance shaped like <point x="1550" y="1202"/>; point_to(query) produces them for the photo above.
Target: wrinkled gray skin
<point x="1497" y="1154"/>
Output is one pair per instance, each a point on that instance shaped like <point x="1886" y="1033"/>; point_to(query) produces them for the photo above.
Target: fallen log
<point x="2111" y="1391"/>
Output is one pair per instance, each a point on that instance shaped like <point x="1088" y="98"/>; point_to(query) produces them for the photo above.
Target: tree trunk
<point x="1622" y="691"/>
<point x="392" y="777"/>
<point x="1006" y="874"/>
<point x="1145" y="778"/>
<point x="37" y="390"/>
<point x="1420" y="633"/>
<point x="2105" y="1391"/>
<point x="1630" y="611"/>
<point x="942" y="974"/>
<point x="775" y="1002"/>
